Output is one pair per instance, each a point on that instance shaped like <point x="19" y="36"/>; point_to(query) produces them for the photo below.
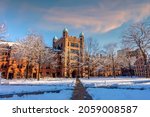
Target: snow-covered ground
<point x="45" y="89"/>
<point x="62" y="89"/>
<point x="118" y="88"/>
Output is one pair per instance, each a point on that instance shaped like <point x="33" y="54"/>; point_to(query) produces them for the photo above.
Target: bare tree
<point x="126" y="60"/>
<point x="38" y="51"/>
<point x="53" y="58"/>
<point x="92" y="50"/>
<point x="111" y="56"/>
<point x="32" y="49"/>
<point x="138" y="37"/>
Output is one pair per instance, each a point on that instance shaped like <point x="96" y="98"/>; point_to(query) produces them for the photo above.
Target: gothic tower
<point x="65" y="33"/>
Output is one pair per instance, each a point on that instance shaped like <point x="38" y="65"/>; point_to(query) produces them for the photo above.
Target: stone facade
<point x="72" y="48"/>
<point x="140" y="68"/>
<point x="69" y="55"/>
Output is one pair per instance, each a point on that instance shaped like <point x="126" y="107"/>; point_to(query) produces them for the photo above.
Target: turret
<point x="81" y="36"/>
<point x="54" y="40"/>
<point x="65" y="32"/>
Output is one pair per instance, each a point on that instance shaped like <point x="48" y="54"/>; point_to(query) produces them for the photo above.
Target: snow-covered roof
<point x="9" y="43"/>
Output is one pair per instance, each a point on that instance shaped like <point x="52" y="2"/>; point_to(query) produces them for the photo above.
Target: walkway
<point x="80" y="92"/>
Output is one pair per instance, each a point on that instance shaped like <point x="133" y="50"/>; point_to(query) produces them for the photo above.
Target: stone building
<point x="10" y="67"/>
<point x="107" y="71"/>
<point x="72" y="49"/>
<point x="68" y="51"/>
<point x="140" y="68"/>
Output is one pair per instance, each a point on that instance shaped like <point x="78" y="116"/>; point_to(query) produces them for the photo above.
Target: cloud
<point x="106" y="16"/>
<point x="87" y="15"/>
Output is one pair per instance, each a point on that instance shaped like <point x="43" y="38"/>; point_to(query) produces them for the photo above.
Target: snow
<point x="118" y="88"/>
<point x="122" y="88"/>
<point x="9" y="43"/>
<point x="63" y="95"/>
<point x="45" y="89"/>
<point x="118" y="94"/>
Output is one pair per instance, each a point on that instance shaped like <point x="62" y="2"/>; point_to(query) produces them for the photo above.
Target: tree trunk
<point x="145" y="62"/>
<point x="88" y="71"/>
<point x="27" y="70"/>
<point x="146" y="70"/>
<point x="145" y="66"/>
<point x="113" y="69"/>
<point x="130" y="70"/>
<point x="39" y="71"/>
<point x="78" y="71"/>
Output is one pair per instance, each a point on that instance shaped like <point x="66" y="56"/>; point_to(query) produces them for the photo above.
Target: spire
<point x="81" y="34"/>
<point x="65" y="30"/>
<point x="55" y="38"/>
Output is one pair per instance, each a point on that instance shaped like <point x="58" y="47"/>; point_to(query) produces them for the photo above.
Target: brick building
<point x="107" y="71"/>
<point x="72" y="47"/>
<point x="10" y="67"/>
<point x="68" y="52"/>
<point x="140" y="68"/>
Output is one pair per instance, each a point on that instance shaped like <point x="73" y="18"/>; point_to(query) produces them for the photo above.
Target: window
<point x="3" y="59"/>
<point x="18" y="74"/>
<point x="74" y="51"/>
<point x="3" y="74"/>
<point x="58" y="47"/>
<point x="47" y="67"/>
<point x="3" y="66"/>
<point x="74" y="45"/>
<point x="47" y="73"/>
<point x="75" y="58"/>
<point x="12" y="61"/>
<point x="19" y="66"/>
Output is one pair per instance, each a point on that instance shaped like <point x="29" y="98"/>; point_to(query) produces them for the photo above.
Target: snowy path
<point x="118" y="88"/>
<point x="80" y="92"/>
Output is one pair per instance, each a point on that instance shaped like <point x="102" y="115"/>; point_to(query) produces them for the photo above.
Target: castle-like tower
<point x="73" y="53"/>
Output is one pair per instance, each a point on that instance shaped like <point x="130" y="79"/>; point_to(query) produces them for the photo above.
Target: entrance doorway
<point x="58" y="74"/>
<point x="74" y="74"/>
<point x="54" y="75"/>
<point x="34" y="75"/>
<point x="10" y="76"/>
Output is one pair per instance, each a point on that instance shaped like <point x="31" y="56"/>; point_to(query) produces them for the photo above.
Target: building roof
<point x="65" y="30"/>
<point x="8" y="43"/>
<point x="55" y="37"/>
<point x="81" y="34"/>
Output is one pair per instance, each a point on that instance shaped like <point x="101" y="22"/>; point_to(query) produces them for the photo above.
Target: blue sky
<point x="103" y="20"/>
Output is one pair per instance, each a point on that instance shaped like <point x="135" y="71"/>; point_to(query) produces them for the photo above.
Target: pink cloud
<point x="104" y="17"/>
